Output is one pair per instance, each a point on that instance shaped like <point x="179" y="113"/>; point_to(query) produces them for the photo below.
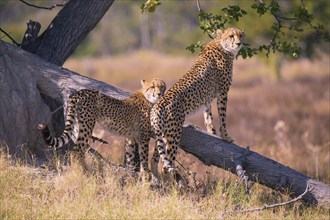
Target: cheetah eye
<point x="152" y="87"/>
<point x="231" y="36"/>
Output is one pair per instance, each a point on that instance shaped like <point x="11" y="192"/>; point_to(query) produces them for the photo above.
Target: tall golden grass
<point x="27" y="192"/>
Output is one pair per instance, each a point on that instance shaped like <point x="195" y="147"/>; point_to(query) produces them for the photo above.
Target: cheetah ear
<point x="219" y="32"/>
<point x="143" y="82"/>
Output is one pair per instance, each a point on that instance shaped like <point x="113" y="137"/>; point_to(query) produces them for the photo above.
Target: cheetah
<point x="128" y="117"/>
<point x="210" y="77"/>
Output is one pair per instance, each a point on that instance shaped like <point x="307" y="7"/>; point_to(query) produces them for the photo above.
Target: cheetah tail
<point x="52" y="141"/>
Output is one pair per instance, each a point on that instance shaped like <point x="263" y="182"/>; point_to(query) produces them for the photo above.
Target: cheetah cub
<point x="129" y="117"/>
<point x="209" y="78"/>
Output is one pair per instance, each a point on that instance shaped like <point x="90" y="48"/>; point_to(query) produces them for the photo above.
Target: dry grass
<point x="31" y="193"/>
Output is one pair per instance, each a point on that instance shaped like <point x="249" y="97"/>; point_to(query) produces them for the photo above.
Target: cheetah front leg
<point x="79" y="153"/>
<point x="208" y="119"/>
<point x="155" y="161"/>
<point x="172" y="143"/>
<point x="222" y="107"/>
<point x="84" y="129"/>
<point x="130" y="153"/>
<point x="132" y="158"/>
<point x="143" y="152"/>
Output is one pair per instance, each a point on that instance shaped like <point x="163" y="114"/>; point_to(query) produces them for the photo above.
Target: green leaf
<point x="261" y="9"/>
<point x="243" y="53"/>
<point x="274" y="7"/>
<point x="150" y="5"/>
<point x="192" y="48"/>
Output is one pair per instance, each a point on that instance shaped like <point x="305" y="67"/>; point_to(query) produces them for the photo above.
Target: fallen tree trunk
<point x="250" y="165"/>
<point x="26" y="78"/>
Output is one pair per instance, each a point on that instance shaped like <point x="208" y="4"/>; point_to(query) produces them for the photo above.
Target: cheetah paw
<point x="227" y="139"/>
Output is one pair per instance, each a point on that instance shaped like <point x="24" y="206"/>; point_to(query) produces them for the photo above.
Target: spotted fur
<point x="128" y="117"/>
<point x="209" y="78"/>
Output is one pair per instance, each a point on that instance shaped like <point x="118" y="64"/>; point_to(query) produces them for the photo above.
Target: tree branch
<point x="198" y="6"/>
<point x="42" y="7"/>
<point x="63" y="35"/>
<point x="308" y="189"/>
<point x="272" y="43"/>
<point x="12" y="39"/>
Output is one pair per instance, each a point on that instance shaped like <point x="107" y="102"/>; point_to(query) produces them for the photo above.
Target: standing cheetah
<point x="128" y="117"/>
<point x="209" y="78"/>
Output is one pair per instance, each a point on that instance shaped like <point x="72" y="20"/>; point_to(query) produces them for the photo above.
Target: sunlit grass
<point x="28" y="192"/>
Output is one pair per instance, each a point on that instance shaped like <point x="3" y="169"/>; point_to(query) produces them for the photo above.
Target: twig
<point x="198" y="6"/>
<point x="201" y="11"/>
<point x="42" y="7"/>
<point x="53" y="112"/>
<point x="99" y="156"/>
<point x="12" y="39"/>
<point x="308" y="189"/>
<point x="278" y="18"/>
<point x="309" y="23"/>
<point x="185" y="170"/>
<point x="275" y="36"/>
<point x="99" y="140"/>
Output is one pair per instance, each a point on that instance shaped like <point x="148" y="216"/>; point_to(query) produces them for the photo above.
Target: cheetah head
<point x="231" y="39"/>
<point x="153" y="89"/>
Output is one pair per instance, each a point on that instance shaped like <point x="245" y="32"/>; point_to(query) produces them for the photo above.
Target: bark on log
<point x="25" y="79"/>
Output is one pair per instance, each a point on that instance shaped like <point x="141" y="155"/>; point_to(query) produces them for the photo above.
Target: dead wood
<point x="228" y="213"/>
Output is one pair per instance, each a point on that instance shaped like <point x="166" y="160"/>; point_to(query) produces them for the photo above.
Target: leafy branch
<point x="282" y="26"/>
<point x="276" y="44"/>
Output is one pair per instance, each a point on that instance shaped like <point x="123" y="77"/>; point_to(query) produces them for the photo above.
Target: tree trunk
<point x="67" y="30"/>
<point x="25" y="82"/>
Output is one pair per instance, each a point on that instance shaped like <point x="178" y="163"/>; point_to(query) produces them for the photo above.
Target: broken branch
<point x="308" y="189"/>
<point x="42" y="7"/>
<point x="12" y="39"/>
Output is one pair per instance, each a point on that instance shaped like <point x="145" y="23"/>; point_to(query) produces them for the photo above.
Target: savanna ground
<point x="287" y="120"/>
